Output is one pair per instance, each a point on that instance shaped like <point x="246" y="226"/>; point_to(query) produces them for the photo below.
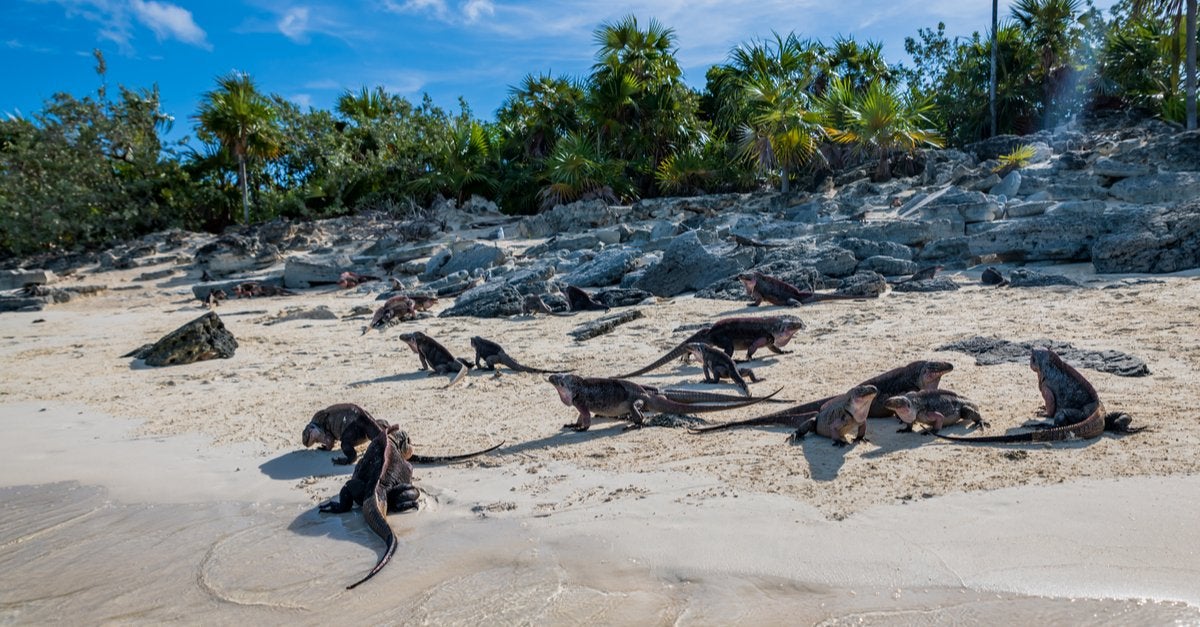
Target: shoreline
<point x="1085" y="546"/>
<point x="190" y="483"/>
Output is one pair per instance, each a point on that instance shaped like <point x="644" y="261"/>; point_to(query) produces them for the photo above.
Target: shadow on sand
<point x="299" y="464"/>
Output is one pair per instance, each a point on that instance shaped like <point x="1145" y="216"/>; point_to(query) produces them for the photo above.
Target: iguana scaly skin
<point x="934" y="408"/>
<point x="1072" y="404"/>
<point x="841" y="417"/>
<point x="616" y="398"/>
<point x="761" y="287"/>
<point x="491" y="353"/>
<point x="731" y="334"/>
<point x="717" y="365"/>
<point x="435" y="357"/>
<point x="352" y="425"/>
<point x="915" y="376"/>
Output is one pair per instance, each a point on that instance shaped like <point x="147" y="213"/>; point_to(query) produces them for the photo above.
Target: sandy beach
<point x="137" y="494"/>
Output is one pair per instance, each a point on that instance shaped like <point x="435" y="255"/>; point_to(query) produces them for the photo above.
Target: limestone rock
<point x="686" y="265"/>
<point x="301" y="271"/>
<point x="887" y="266"/>
<point x="1164" y="240"/>
<point x="1008" y="186"/>
<point x="233" y="253"/>
<point x="606" y="268"/>
<point x="491" y="300"/>
<point x="863" y="284"/>
<point x="1158" y="188"/>
<point x="936" y="284"/>
<point x="203" y="338"/>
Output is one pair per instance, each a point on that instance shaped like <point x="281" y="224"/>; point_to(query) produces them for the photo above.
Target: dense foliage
<point x="780" y="112"/>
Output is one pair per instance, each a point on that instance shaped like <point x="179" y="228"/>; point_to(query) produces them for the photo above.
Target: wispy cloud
<point x="294" y="24"/>
<point x="463" y="12"/>
<point x="169" y="21"/>
<point x="115" y="21"/>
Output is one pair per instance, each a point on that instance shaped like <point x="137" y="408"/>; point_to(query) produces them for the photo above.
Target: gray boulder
<point x="1163" y="240"/>
<point x="1112" y="168"/>
<point x="572" y="218"/>
<point x="477" y="257"/>
<point x="888" y="266"/>
<point x="203" y="338"/>
<point x="1024" y="277"/>
<point x="864" y="284"/>
<point x="936" y="284"/>
<point x="802" y="276"/>
<point x="621" y="297"/>
<point x="12" y="279"/>
<point x="1065" y="233"/>
<point x="862" y="249"/>
<point x="1158" y="188"/>
<point x="686" y="265"/>
<point x="491" y="300"/>
<point x="233" y="253"/>
<point x="1008" y="186"/>
<point x="300" y="271"/>
<point x="606" y="268"/>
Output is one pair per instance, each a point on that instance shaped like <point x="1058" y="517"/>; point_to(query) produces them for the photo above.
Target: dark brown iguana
<point x="435" y="357"/>
<point x="913" y="377"/>
<point x="492" y="353"/>
<point x="842" y="416"/>
<point x="382" y="480"/>
<point x="761" y="287"/>
<point x="595" y="396"/>
<point x="730" y="334"/>
<point x="352" y="425"/>
<point x="935" y="408"/>
<point x="1072" y="404"/>
<point x="717" y="365"/>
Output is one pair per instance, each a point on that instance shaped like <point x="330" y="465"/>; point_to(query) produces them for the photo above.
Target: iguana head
<point x="784" y="328"/>
<point x="902" y="406"/>
<point x="861" y="397"/>
<point x="564" y="384"/>
<point x="695" y="349"/>
<point x="412" y="339"/>
<point x="749" y="280"/>
<point x="401" y="441"/>
<point x="931" y="373"/>
<point x="314" y="434"/>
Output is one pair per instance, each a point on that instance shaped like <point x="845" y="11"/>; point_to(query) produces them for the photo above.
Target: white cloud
<point x="294" y="24"/>
<point x="115" y="21"/>
<point x="474" y="9"/>
<point x="169" y="21"/>
<point x="304" y="101"/>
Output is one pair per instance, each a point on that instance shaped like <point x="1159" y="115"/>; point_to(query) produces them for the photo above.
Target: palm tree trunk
<point x="995" y="53"/>
<point x="883" y="171"/>
<point x="785" y="185"/>
<point x="1190" y="82"/>
<point x="245" y="189"/>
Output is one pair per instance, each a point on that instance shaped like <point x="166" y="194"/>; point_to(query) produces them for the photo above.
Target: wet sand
<point x="145" y="495"/>
<point x="217" y="534"/>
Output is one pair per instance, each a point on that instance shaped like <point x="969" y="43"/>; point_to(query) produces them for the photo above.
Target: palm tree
<point x="243" y="121"/>
<point x="1047" y="25"/>
<point x="881" y="121"/>
<point x="1168" y="9"/>
<point x="781" y="132"/>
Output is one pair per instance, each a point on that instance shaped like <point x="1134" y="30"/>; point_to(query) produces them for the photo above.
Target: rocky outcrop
<point x="234" y="253"/>
<point x="606" y="268"/>
<point x="1162" y="240"/>
<point x="203" y="338"/>
<point x="686" y="265"/>
<point x="492" y="300"/>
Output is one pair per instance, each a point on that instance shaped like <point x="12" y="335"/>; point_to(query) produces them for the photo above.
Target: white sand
<point x="654" y="525"/>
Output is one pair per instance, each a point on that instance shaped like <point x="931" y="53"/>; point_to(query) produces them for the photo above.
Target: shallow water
<point x="70" y="553"/>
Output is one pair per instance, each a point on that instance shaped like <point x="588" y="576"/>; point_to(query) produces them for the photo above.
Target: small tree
<point x="880" y="121"/>
<point x="243" y="121"/>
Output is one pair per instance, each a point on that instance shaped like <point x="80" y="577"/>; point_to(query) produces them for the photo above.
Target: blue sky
<point x="311" y="51"/>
